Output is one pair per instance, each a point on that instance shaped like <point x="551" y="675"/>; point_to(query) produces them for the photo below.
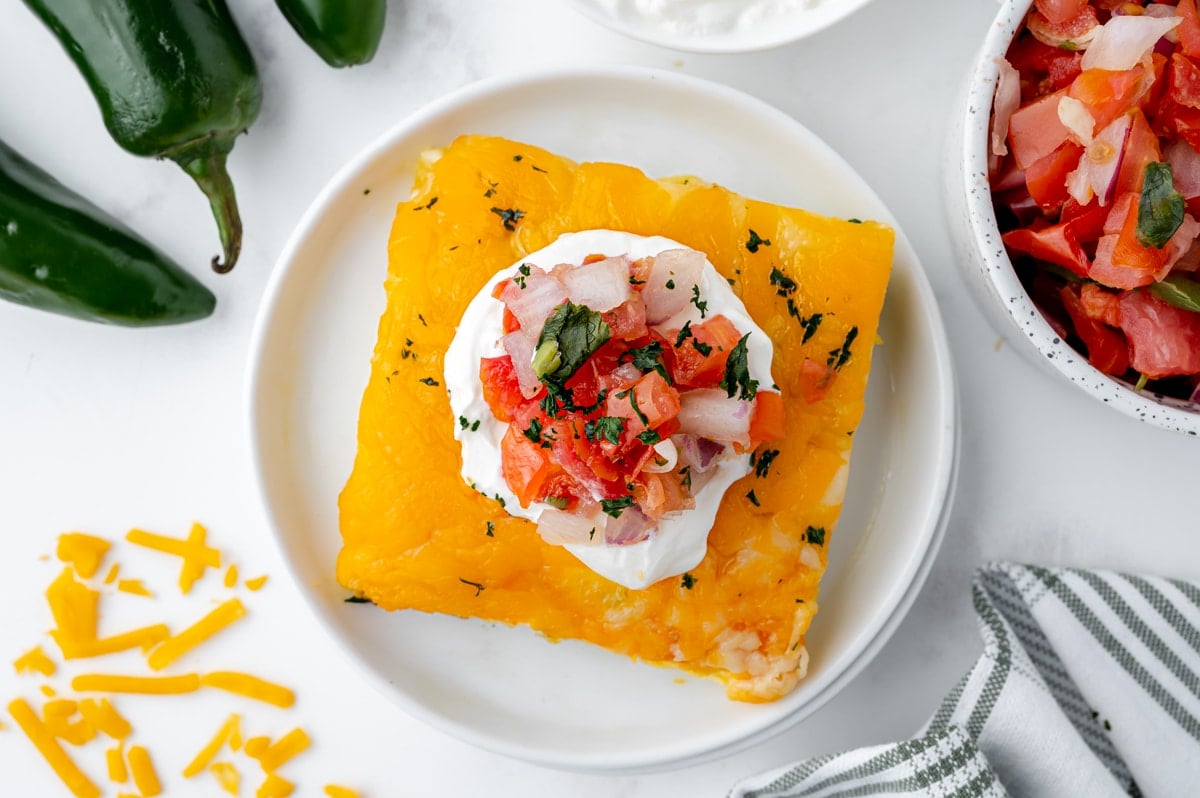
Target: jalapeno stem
<point x="213" y="179"/>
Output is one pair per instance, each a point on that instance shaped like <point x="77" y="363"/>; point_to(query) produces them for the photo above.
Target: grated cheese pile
<point x="91" y="716"/>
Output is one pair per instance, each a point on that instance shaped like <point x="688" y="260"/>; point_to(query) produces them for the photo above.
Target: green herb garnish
<point x="1160" y="208"/>
<point x="615" y="507"/>
<point x="762" y="466"/>
<point x="649" y="358"/>
<point x="753" y="499"/>
<point x="815" y="535"/>
<point x="649" y="437"/>
<point x="509" y="216"/>
<point x="606" y="427"/>
<point x="687" y="582"/>
<point x="838" y="357"/>
<point x="737" y="373"/>
<point x="572" y="333"/>
<point x="756" y="241"/>
<point x="1180" y="291"/>
<point x="701" y="305"/>
<point x="534" y="431"/>
<point x="429" y="381"/>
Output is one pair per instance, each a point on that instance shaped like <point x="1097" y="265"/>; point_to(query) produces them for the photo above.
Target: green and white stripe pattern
<point x="1089" y="685"/>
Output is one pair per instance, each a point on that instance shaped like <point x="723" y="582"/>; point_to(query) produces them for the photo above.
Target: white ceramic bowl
<point x="572" y="705"/>
<point x="990" y="272"/>
<point x="717" y="26"/>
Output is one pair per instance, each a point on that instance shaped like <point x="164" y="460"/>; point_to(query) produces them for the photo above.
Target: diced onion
<point x="519" y="345"/>
<point x="534" y="298"/>
<point x="1006" y="102"/>
<point x="1123" y="41"/>
<point x="1076" y="117"/>
<point x="1185" y="167"/>
<point x="668" y="288"/>
<point x="559" y="527"/>
<point x="631" y="526"/>
<point x="600" y="286"/>
<point x="1100" y="163"/>
<point x="715" y="415"/>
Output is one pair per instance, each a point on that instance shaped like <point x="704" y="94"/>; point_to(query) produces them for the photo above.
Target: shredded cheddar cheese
<point x="250" y="686"/>
<point x="194" y="551"/>
<point x="334" y="791"/>
<point x="175" y="647"/>
<point x="104" y="716"/>
<point x="147" y="685"/>
<point x="283" y="749"/>
<point x="141" y="767"/>
<point x="134" y="587"/>
<point x="75" y="779"/>
<point x="35" y="661"/>
<point x="115" y="758"/>
<point x="227" y="776"/>
<point x="275" y="786"/>
<point x="75" y="609"/>
<point x="228" y="732"/>
<point x="85" y="552"/>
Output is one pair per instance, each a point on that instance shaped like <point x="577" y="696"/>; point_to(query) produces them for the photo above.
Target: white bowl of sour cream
<point x="718" y="26"/>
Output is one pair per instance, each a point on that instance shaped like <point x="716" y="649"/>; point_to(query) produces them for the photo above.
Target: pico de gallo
<point x="616" y="411"/>
<point x="1095" y="177"/>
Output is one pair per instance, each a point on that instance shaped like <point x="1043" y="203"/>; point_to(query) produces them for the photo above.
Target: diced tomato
<point x="1099" y="304"/>
<point x="560" y="485"/>
<point x="700" y="358"/>
<point x="768" y="419"/>
<point x="1052" y="67"/>
<point x="816" y="377"/>
<point x="1129" y="252"/>
<point x="656" y="402"/>
<point x="658" y="494"/>
<point x="1035" y="131"/>
<point x="1189" y="29"/>
<point x="1060" y="11"/>
<point x="1055" y="244"/>
<point x="639" y="272"/>
<point x="1106" y="348"/>
<point x="1183" y="81"/>
<point x="1163" y="340"/>
<point x="510" y="321"/>
<point x="524" y="464"/>
<point x="1086" y="221"/>
<point x="1108" y="94"/>
<point x="1046" y="178"/>
<point x="1141" y="148"/>
<point x="627" y="320"/>
<point x="500" y="388"/>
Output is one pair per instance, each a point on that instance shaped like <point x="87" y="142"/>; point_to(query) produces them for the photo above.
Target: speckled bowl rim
<point x="1005" y="286"/>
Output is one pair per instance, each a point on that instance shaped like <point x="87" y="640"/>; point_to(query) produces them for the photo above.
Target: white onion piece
<point x="559" y="527"/>
<point x="1077" y="119"/>
<point x="534" y="303"/>
<point x="711" y="413"/>
<point x="520" y="345"/>
<point x="1123" y="41"/>
<point x="1163" y="10"/>
<point x="666" y="451"/>
<point x="683" y="269"/>
<point x="600" y="286"/>
<point x="1007" y="100"/>
<point x="1185" y="167"/>
<point x="1100" y="163"/>
<point x="631" y="526"/>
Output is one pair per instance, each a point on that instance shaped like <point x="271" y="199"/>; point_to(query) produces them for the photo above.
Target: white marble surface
<point x="102" y="429"/>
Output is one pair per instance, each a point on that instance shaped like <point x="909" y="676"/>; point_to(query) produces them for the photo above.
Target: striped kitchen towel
<point x="1087" y="686"/>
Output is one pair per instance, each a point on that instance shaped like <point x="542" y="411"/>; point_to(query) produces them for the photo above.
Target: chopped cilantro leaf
<point x="753" y="499"/>
<point x="649" y="437"/>
<point x="815" y="535"/>
<point x="785" y="285"/>
<point x="701" y="347"/>
<point x="615" y="507"/>
<point x="491" y="529"/>
<point x="358" y="600"/>
<point x="606" y="427"/>
<point x="763" y="465"/>
<point x="534" y="431"/>
<point x="649" y="358"/>
<point x="756" y="241"/>
<point x="701" y="305"/>
<point x="670" y="284"/>
<point x="572" y="333"/>
<point x="687" y="582"/>
<point x="429" y="381"/>
<point x="736" y="381"/>
<point x="1160" y="207"/>
<point x="685" y="332"/>
<point x="509" y="216"/>
<point x="838" y="357"/>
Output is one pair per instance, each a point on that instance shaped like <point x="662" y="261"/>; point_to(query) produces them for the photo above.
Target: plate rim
<point x="934" y="512"/>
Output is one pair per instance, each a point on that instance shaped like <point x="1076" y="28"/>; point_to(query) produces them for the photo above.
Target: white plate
<point x="710" y="26"/>
<point x="571" y="705"/>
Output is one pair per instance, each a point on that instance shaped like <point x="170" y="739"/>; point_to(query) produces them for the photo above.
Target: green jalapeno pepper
<point x="174" y="79"/>
<point x="59" y="252"/>
<point x="343" y="32"/>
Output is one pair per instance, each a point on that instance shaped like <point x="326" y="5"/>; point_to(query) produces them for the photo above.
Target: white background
<point x="103" y="429"/>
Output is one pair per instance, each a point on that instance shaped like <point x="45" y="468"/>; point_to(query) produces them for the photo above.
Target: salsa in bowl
<point x="1081" y="182"/>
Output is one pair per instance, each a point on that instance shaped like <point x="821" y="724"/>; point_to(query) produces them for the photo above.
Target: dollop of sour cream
<point x="680" y="541"/>
<point x="705" y="17"/>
